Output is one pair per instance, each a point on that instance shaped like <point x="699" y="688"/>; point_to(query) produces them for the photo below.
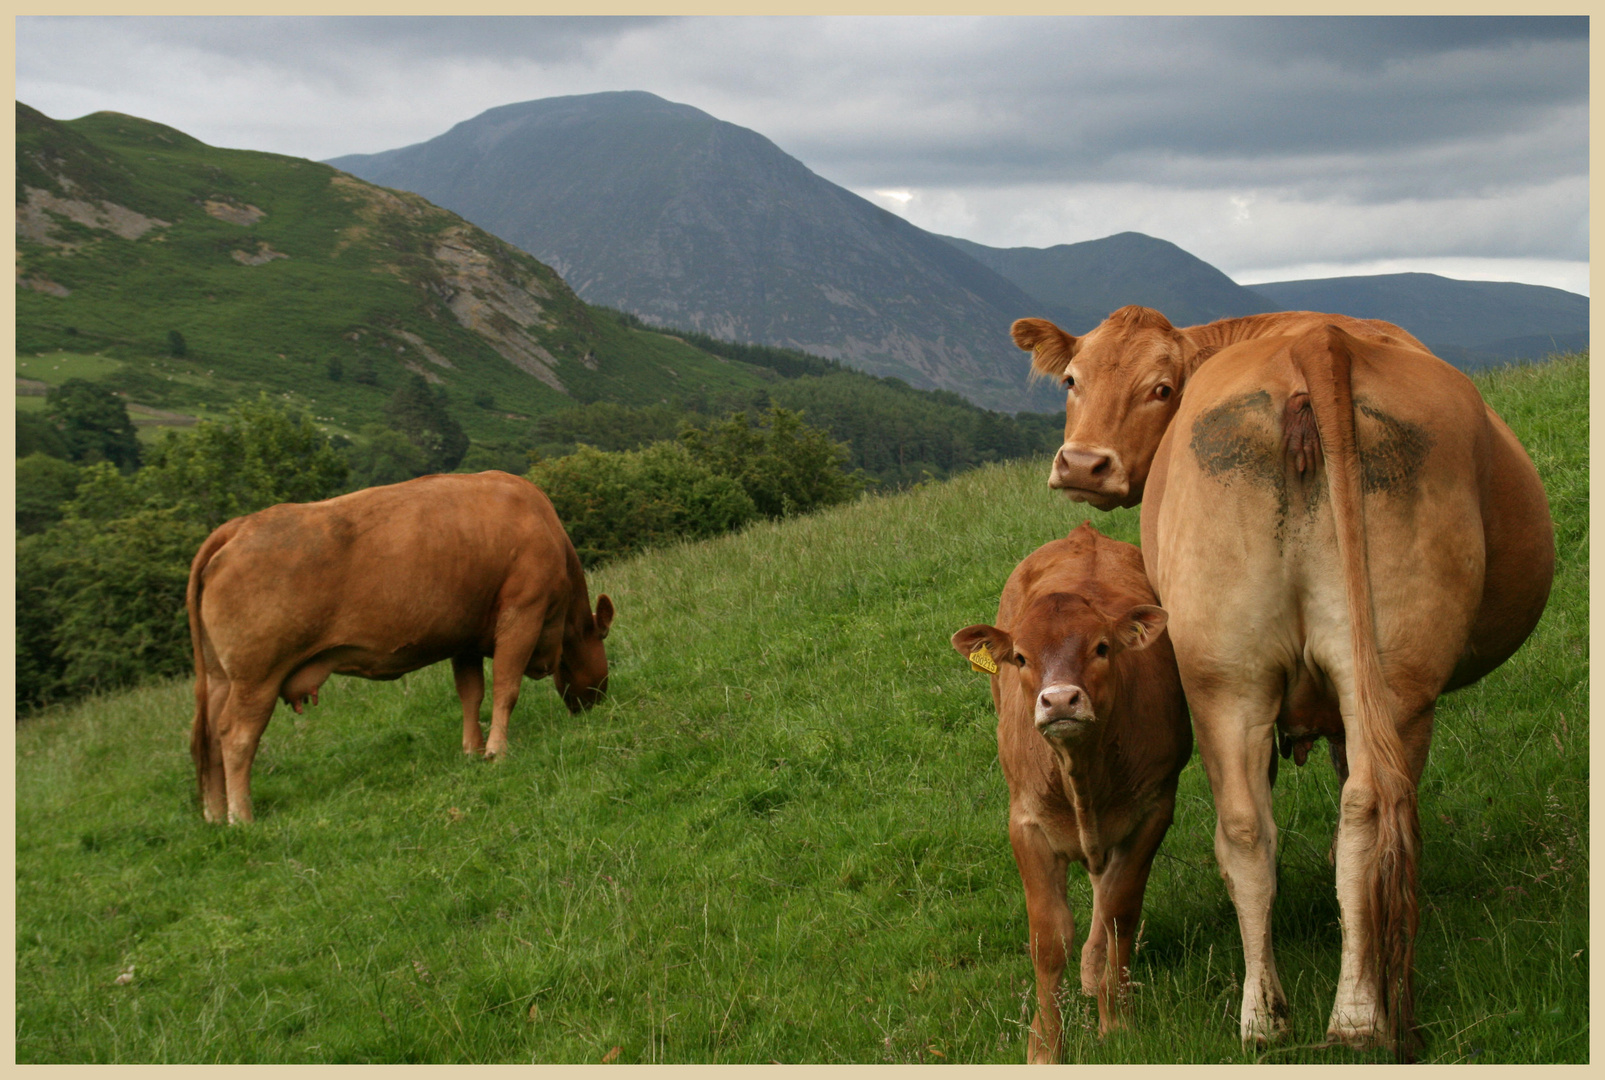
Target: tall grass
<point x="782" y="838"/>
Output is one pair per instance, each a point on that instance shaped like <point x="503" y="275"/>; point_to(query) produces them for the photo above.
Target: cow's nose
<point x="1083" y="469"/>
<point x="1060" y="700"/>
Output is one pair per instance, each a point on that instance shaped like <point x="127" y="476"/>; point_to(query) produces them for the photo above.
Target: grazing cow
<point x="1341" y="530"/>
<point x="1092" y="733"/>
<point x="378" y="583"/>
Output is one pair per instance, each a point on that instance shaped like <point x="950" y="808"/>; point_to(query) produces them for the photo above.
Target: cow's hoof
<point x="1355" y="1038"/>
<point x="1264" y="1030"/>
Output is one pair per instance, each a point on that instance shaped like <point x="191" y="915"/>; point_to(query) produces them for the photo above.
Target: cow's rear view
<point x="1092" y="735"/>
<point x="378" y="583"/>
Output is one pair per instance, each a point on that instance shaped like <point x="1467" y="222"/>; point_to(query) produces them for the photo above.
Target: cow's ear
<point x="1000" y="645"/>
<point x="1138" y="628"/>
<point x="604" y="615"/>
<point x="1051" y="348"/>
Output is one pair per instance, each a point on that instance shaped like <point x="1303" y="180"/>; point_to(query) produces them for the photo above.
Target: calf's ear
<point x="604" y="615"/>
<point x="998" y="642"/>
<point x="1050" y="347"/>
<point x="1138" y="628"/>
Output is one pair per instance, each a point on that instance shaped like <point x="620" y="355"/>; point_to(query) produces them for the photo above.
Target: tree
<point x="386" y="458"/>
<point x="94" y="424"/>
<point x="420" y="414"/>
<point x="176" y="346"/>
<point x="262" y="454"/>
<point x="43" y="484"/>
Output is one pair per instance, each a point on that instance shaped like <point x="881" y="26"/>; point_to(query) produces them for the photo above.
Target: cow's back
<point x="1458" y="542"/>
<point x="421" y="566"/>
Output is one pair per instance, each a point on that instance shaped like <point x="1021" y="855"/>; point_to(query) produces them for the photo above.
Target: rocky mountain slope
<point x="203" y="275"/>
<point x="688" y="221"/>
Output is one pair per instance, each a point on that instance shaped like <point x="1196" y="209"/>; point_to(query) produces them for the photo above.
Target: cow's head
<point x="581" y="675"/>
<point x="1122" y="381"/>
<point x="1062" y="651"/>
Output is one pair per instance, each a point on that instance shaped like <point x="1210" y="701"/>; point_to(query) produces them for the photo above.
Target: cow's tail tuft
<point x="1325" y="358"/>
<point x="199" y="737"/>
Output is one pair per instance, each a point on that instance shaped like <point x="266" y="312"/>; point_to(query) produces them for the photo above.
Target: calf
<point x="1092" y="734"/>
<point x="378" y="583"/>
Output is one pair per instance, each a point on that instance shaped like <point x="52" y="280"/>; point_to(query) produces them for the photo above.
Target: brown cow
<point x="1138" y="364"/>
<point x="378" y="583"/>
<point x="1092" y="733"/>
<point x="1341" y="530"/>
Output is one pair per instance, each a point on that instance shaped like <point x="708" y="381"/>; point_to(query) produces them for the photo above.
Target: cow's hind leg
<point x="1042" y="872"/>
<point x="208" y="751"/>
<point x="469" y="673"/>
<point x="1236" y="736"/>
<point x="240" y="724"/>
<point x="1359" y="1017"/>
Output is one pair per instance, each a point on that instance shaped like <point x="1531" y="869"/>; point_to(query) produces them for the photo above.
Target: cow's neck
<point x="1210" y="338"/>
<point x="1092" y="774"/>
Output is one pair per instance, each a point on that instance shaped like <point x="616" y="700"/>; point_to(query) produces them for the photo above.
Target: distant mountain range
<point x="1469" y="323"/>
<point x="692" y="222"/>
<point x="685" y="220"/>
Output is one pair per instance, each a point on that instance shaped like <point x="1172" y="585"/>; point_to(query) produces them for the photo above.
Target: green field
<point x="781" y="839"/>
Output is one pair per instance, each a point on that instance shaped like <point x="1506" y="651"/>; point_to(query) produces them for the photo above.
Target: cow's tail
<point x="1325" y="358"/>
<point x="198" y="738"/>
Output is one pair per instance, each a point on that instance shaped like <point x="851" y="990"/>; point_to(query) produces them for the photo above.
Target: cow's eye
<point x="1069" y="382"/>
<point x="1162" y="392"/>
<point x="1103" y="648"/>
<point x="1019" y="659"/>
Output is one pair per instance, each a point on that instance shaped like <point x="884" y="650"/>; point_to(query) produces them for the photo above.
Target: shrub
<point x="785" y="466"/>
<point x="613" y="504"/>
<point x="100" y="593"/>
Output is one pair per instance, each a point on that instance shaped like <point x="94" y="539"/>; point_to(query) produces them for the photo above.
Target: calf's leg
<point x="1116" y="913"/>
<point x="1042" y="872"/>
<point x="469" y="674"/>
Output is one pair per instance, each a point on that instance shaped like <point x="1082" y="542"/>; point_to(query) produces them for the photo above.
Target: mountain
<point x="685" y="220"/>
<point x="137" y="243"/>
<point x="1077" y="285"/>
<point x="1469" y="323"/>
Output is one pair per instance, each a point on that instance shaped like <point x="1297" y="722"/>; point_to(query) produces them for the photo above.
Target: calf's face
<point x="1062" y="649"/>
<point x="581" y="675"/>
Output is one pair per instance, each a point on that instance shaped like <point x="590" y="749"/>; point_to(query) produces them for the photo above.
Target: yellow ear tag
<point x="981" y="660"/>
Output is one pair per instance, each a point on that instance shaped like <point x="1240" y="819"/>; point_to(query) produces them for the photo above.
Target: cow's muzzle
<point x="1063" y="710"/>
<point x="1092" y="474"/>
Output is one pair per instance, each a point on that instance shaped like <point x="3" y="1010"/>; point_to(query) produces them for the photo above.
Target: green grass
<point x="57" y="367"/>
<point x="782" y="838"/>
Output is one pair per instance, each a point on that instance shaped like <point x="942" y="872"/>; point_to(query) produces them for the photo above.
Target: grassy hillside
<point x="782" y="838"/>
<point x="287" y="275"/>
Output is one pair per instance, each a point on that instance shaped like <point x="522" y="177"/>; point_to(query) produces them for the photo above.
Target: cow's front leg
<point x="1236" y="739"/>
<point x="507" y="679"/>
<point x="469" y="674"/>
<point x="1042" y="872"/>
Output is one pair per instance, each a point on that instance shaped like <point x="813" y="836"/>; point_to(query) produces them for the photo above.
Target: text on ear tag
<point x="981" y="660"/>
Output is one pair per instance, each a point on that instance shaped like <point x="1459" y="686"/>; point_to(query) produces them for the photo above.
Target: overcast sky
<point x="1272" y="148"/>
